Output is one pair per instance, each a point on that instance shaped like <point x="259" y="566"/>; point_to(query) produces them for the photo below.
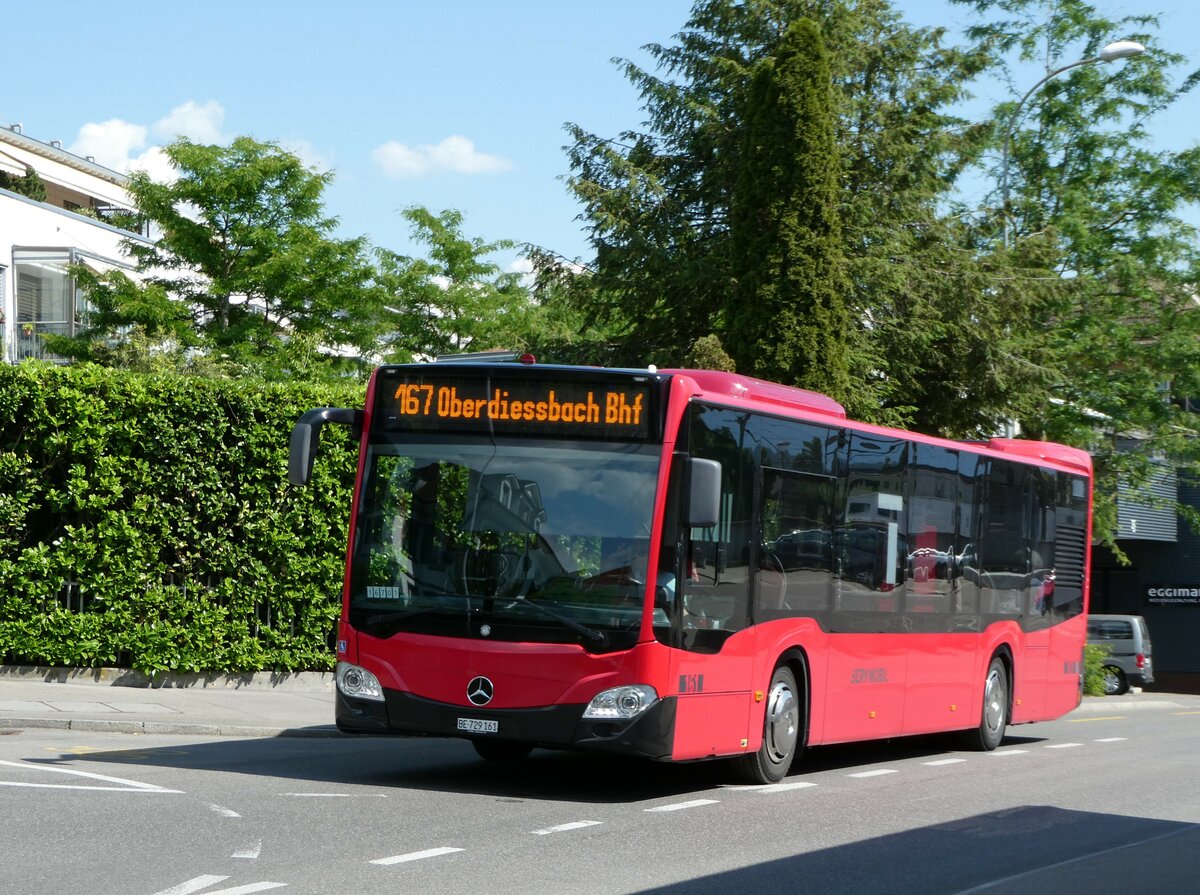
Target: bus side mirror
<point x="306" y="437"/>
<point x="704" y="492"/>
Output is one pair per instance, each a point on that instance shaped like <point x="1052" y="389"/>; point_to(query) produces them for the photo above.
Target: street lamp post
<point x="1120" y="49"/>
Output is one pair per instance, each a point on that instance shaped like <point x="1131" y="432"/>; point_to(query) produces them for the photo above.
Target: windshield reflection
<point x="534" y="543"/>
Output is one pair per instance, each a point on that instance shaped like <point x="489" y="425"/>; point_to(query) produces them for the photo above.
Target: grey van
<point x="1128" y="641"/>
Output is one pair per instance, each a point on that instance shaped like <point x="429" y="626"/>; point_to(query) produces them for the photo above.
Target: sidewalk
<point x="119" y="701"/>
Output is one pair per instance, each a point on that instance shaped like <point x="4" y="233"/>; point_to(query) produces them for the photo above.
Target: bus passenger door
<point x="712" y="670"/>
<point x="714" y="654"/>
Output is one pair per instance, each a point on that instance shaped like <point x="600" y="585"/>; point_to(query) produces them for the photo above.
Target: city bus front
<point x="499" y="583"/>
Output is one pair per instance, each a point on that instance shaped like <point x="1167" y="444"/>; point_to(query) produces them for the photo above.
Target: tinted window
<point x="932" y="536"/>
<point x="1043" y="534"/>
<point x="870" y="553"/>
<point x="796" y="555"/>
<point x="972" y="474"/>
<point x="716" y="590"/>
<point x="1003" y="543"/>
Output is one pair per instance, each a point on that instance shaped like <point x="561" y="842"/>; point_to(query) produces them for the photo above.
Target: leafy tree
<point x="1096" y="247"/>
<point x="564" y="327"/>
<point x="243" y="244"/>
<point x="786" y="249"/>
<point x="457" y="300"/>
<point x="30" y="184"/>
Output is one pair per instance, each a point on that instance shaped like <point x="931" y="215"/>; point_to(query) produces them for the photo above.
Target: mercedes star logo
<point x="480" y="691"/>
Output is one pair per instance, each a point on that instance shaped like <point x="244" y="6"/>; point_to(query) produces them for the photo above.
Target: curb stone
<point x="310" y="681"/>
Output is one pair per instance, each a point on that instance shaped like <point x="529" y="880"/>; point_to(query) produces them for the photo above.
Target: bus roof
<point x="815" y="404"/>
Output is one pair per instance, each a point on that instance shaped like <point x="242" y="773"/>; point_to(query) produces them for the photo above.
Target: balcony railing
<point x="27" y="342"/>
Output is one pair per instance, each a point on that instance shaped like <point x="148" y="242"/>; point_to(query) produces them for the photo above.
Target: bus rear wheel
<point x="502" y="751"/>
<point x="782" y="731"/>
<point x="994" y="720"/>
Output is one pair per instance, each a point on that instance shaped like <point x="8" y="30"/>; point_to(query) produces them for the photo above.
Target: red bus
<point x="688" y="564"/>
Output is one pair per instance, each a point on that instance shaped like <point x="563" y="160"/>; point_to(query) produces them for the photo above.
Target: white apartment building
<point x="40" y="239"/>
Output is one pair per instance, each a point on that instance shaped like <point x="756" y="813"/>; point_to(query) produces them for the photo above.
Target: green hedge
<point x="146" y="522"/>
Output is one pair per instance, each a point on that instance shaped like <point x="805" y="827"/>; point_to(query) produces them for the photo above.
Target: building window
<point x="46" y="299"/>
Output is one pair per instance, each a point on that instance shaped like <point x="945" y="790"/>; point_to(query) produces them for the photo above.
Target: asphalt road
<point x="1097" y="802"/>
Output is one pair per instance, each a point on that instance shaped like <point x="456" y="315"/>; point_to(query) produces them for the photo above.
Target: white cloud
<point x="124" y="146"/>
<point x="456" y="154"/>
<point x="199" y="123"/>
<point x="524" y="266"/>
<point x="110" y="143"/>
<point x="127" y="147"/>
<point x="155" y="163"/>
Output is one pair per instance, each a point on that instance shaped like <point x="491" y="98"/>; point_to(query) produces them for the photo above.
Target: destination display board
<point x="603" y="407"/>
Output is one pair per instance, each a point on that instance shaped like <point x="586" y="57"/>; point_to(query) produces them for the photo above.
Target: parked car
<point x="1128" y="640"/>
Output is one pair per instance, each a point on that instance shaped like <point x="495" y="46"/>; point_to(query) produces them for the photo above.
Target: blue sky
<point x="450" y="104"/>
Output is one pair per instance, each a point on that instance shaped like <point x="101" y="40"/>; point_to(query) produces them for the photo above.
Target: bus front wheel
<point x="782" y="731"/>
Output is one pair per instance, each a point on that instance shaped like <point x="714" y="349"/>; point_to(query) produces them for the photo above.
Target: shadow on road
<point x="450" y="765"/>
<point x="1026" y="850"/>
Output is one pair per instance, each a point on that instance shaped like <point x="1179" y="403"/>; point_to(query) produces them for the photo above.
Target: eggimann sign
<point x="1172" y="595"/>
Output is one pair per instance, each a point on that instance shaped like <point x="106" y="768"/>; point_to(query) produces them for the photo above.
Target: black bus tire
<point x="994" y="718"/>
<point x="783" y="731"/>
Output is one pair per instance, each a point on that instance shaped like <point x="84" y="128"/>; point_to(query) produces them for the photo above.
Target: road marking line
<point x="999" y="753"/>
<point x="88" y="788"/>
<point x="224" y="812"/>
<point x="1111" y="740"/>
<point x="944" y="761"/>
<point x="563" y="828"/>
<point x="200" y="883"/>
<point x="879" y="773"/>
<point x="416" y="856"/>
<point x="193" y="885"/>
<point x="680" y="806"/>
<point x="335" y="795"/>
<point x="28" y="766"/>
<point x="1185" y="713"/>
<point x="1090" y="720"/>
<point x="1063" y="745"/>
<point x="771" y="787"/>
<point x="246" y="890"/>
<point x="252" y="852"/>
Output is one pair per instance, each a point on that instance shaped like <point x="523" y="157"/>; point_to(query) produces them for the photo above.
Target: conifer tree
<point x="787" y="318"/>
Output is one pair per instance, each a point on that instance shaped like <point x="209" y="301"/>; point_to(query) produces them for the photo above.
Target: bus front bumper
<point x="650" y="735"/>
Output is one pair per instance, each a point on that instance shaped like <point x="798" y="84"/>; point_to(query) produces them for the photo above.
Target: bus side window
<point x="1004" y="544"/>
<point x="870" y="551"/>
<point x="972" y="473"/>
<point x="716" y="590"/>
<point x="932" y="512"/>
<point x="795" y="566"/>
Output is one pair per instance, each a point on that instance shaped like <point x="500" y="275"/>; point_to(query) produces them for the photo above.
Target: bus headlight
<point x="358" y="683"/>
<point x="620" y="703"/>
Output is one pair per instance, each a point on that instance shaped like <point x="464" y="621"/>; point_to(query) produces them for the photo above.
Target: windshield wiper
<point x="591" y="634"/>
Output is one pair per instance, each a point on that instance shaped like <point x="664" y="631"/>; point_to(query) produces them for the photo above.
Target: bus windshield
<point x="534" y="543"/>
